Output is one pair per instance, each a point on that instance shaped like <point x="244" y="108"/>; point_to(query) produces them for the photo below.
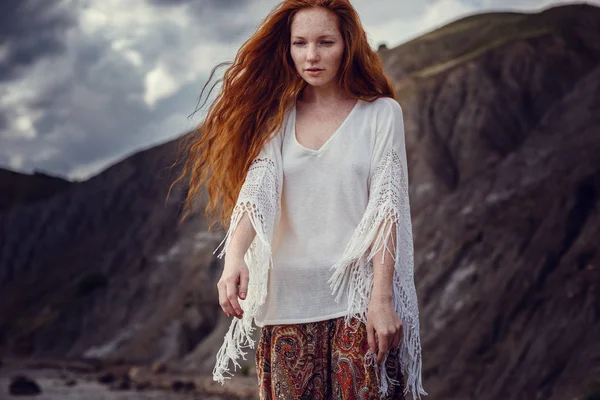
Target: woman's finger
<point x="371" y="338"/>
<point x="243" y="289"/>
<point x="397" y="338"/>
<point x="384" y="345"/>
<point x="223" y="301"/>
<point x="232" y="296"/>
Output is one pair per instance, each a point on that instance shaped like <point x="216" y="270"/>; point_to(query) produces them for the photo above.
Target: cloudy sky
<point x="84" y="83"/>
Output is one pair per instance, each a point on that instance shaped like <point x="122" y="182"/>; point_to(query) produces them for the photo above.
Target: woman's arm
<point x="241" y="239"/>
<point x="384" y="327"/>
<point x="383" y="268"/>
<point x="253" y="215"/>
<point x="378" y="260"/>
<point x="234" y="280"/>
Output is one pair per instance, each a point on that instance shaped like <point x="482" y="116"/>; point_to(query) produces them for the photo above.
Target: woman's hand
<point x="233" y="284"/>
<point x="384" y="327"/>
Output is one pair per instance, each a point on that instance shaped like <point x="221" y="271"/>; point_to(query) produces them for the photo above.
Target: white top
<point x="324" y="196"/>
<point x="316" y="232"/>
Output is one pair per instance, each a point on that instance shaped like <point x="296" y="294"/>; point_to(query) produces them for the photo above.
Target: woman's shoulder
<point x="383" y="103"/>
<point x="384" y="108"/>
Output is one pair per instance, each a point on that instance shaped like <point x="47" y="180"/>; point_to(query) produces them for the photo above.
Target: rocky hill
<point x="503" y="137"/>
<point x="18" y="189"/>
<point x="100" y="254"/>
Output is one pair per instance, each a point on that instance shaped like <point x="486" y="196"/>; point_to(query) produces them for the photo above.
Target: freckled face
<point x="316" y="43"/>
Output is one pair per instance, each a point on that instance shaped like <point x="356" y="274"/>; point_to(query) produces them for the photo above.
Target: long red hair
<point x="257" y="90"/>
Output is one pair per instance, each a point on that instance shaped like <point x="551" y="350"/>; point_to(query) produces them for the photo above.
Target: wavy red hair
<point x="257" y="90"/>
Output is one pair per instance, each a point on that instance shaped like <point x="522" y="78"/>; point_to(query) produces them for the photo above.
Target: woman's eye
<point x="323" y="42"/>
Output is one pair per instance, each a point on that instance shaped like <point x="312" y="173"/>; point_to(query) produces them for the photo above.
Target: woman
<point x="303" y="153"/>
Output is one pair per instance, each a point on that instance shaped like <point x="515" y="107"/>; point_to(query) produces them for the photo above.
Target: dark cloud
<point x="3" y="122"/>
<point x="30" y="30"/>
<point x="222" y="4"/>
<point x="92" y="112"/>
<point x="94" y="103"/>
<point x="89" y="105"/>
<point x="219" y="20"/>
<point x="93" y="109"/>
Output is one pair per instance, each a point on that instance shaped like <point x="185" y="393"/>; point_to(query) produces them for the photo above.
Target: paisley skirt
<point x="321" y="360"/>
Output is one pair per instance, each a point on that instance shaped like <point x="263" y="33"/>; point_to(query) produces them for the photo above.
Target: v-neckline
<point x="333" y="135"/>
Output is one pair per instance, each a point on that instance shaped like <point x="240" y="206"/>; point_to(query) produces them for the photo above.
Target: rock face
<point x="105" y="269"/>
<point x="504" y="165"/>
<point x="503" y="139"/>
<point x="18" y="189"/>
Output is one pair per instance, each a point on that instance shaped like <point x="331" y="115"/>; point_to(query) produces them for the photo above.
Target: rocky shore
<point x="101" y="380"/>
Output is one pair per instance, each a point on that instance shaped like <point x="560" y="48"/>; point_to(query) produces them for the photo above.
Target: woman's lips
<point x="314" y="71"/>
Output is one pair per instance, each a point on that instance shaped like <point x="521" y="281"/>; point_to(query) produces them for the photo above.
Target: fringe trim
<point x="359" y="281"/>
<point x="258" y="258"/>
<point x="353" y="274"/>
<point x="236" y="217"/>
<point x="238" y="336"/>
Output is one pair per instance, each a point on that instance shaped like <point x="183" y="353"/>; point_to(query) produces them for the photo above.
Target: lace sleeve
<point x="260" y="198"/>
<point x="387" y="212"/>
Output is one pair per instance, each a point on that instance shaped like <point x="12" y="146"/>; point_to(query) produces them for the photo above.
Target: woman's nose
<point x="312" y="53"/>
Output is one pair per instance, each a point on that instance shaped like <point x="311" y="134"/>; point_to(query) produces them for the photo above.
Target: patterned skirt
<point x="320" y="360"/>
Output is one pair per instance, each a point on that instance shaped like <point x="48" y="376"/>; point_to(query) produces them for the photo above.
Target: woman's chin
<point x="316" y="80"/>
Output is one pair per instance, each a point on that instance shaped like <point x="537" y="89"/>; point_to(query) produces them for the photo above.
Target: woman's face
<point x="316" y="42"/>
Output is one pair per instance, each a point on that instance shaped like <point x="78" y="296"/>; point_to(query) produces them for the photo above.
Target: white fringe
<point x="259" y="200"/>
<point x="388" y="209"/>
<point x="387" y="212"/>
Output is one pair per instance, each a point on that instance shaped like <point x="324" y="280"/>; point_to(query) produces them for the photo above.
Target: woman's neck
<point x="322" y="95"/>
